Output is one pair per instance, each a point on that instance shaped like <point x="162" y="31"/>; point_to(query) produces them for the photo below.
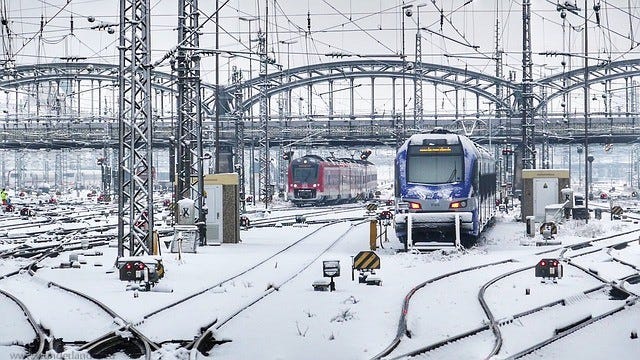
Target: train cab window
<point x="305" y="174"/>
<point x="436" y="164"/>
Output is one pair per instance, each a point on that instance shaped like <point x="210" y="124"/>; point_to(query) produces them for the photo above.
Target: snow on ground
<point x="356" y="321"/>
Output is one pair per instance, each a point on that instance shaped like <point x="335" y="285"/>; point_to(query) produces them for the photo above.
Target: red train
<point x="315" y="180"/>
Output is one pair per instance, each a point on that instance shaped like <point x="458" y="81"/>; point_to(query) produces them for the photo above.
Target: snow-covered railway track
<point x="54" y="306"/>
<point x="479" y="333"/>
<point x="596" y="305"/>
<point x="206" y="340"/>
<point x="577" y="310"/>
<point x="205" y="311"/>
<point x="18" y="341"/>
<point x="551" y="320"/>
<point x="404" y="332"/>
<point x="49" y="303"/>
<point x="310" y="217"/>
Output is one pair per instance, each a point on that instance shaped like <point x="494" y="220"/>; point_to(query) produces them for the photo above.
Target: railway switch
<point x="549" y="269"/>
<point x="301" y="221"/>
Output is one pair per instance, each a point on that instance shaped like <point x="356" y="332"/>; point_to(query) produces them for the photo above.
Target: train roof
<point x="335" y="160"/>
<point x="434" y="139"/>
<point x="440" y="136"/>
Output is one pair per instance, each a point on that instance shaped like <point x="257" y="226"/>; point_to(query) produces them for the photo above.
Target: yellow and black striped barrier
<point x="365" y="260"/>
<point x="616" y="212"/>
<point x="372" y="207"/>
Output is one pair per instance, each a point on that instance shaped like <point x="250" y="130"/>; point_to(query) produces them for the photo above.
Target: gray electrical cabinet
<point x="542" y="187"/>
<point x="222" y="203"/>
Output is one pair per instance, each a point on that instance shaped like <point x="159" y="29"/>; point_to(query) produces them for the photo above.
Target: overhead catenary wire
<point x="316" y="40"/>
<point x="358" y="26"/>
<point x="6" y="33"/>
<point x="317" y="43"/>
<point x="45" y="24"/>
<point x="630" y="22"/>
<point x="174" y="49"/>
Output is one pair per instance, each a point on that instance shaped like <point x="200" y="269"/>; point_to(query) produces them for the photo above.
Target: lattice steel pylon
<point x="499" y="70"/>
<point x="528" y="126"/>
<point x="417" y="87"/>
<point x="544" y="163"/>
<point x="189" y="159"/>
<point x="135" y="155"/>
<point x="264" y="163"/>
<point x="237" y="79"/>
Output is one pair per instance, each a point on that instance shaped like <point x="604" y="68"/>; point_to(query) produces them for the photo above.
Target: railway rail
<point x="493" y="326"/>
<point x="42" y="341"/>
<point x="291" y="219"/>
<point x="274" y="277"/>
<point x="204" y="342"/>
<point x="135" y="345"/>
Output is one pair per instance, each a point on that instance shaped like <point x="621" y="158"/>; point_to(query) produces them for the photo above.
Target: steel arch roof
<point x="460" y="78"/>
<point x="472" y="81"/>
<point x="51" y="72"/>
<point x="616" y="70"/>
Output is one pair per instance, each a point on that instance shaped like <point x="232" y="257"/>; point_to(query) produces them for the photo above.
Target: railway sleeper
<point x="615" y="293"/>
<point x="573" y="324"/>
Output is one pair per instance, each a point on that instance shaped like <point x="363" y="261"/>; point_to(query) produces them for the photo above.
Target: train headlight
<point x="415" y="206"/>
<point x="458" y="204"/>
<point x="315" y="185"/>
<point x="295" y="185"/>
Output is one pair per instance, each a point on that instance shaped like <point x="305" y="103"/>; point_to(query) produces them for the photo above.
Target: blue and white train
<point x="440" y="175"/>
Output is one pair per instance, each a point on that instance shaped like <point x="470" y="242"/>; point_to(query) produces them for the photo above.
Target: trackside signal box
<point x="147" y="269"/>
<point x="549" y="268"/>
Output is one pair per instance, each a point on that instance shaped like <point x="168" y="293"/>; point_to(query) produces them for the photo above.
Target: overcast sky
<point x="464" y="36"/>
<point x="371" y="27"/>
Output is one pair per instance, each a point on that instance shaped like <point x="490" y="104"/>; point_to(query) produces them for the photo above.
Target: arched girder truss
<point x="29" y="74"/>
<point x="20" y="76"/>
<point x="597" y="74"/>
<point x="461" y="79"/>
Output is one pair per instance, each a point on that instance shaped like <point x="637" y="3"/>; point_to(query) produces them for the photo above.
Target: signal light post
<point x="549" y="269"/>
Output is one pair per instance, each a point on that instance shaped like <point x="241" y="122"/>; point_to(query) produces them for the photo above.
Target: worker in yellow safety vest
<point x="4" y="197"/>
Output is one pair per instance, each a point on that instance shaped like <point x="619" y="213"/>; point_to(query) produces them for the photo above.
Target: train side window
<point x="476" y="177"/>
<point x="396" y="186"/>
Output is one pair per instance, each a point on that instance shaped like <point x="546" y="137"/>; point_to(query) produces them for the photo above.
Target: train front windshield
<point x="435" y="164"/>
<point x="305" y="173"/>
